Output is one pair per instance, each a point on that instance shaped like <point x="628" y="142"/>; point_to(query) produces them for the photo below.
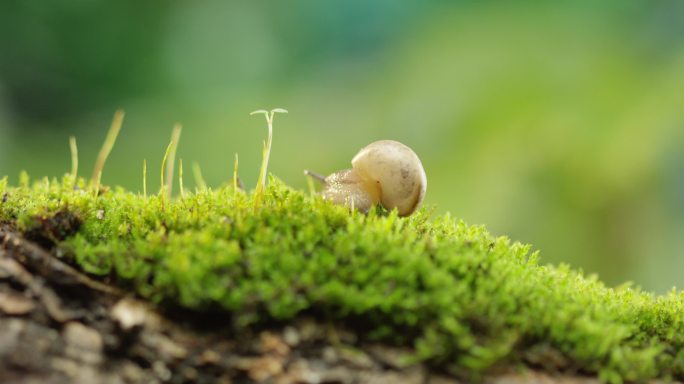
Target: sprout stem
<point x="74" y="161"/>
<point x="235" y="172"/>
<point x="266" y="153"/>
<point x="175" y="137"/>
<point x="199" y="180"/>
<point x="180" y="179"/>
<point x="97" y="183"/>
<point x="114" y="129"/>
<point x="163" y="189"/>
<point x="145" y="178"/>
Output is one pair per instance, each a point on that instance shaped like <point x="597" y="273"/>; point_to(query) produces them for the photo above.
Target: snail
<point x="385" y="172"/>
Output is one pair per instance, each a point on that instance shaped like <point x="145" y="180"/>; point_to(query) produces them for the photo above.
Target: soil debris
<point x="14" y="304"/>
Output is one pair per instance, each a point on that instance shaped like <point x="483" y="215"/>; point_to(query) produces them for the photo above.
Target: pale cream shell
<point x="394" y="172"/>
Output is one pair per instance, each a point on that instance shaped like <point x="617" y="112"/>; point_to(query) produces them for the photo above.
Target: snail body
<point x="385" y="172"/>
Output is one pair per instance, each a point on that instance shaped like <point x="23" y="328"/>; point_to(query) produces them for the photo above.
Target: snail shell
<point x="385" y="172"/>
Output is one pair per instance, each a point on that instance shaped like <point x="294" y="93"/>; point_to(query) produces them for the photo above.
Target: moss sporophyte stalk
<point x="462" y="299"/>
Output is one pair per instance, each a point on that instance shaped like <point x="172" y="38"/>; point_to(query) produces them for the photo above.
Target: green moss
<point x="464" y="299"/>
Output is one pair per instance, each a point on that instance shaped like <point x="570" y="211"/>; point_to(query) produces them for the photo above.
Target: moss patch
<point x="463" y="299"/>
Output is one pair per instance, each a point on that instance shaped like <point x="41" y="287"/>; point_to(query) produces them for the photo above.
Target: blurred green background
<point x="559" y="124"/>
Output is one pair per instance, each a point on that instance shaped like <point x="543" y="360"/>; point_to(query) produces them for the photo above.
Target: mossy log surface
<point x="209" y="287"/>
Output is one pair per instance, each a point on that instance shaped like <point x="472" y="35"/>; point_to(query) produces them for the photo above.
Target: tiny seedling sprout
<point x="199" y="180"/>
<point x="145" y="178"/>
<point x="180" y="178"/>
<point x="164" y="187"/>
<point x="263" y="172"/>
<point x="170" y="155"/>
<point x="175" y="138"/>
<point x="114" y="129"/>
<point x="74" y="161"/>
<point x="235" y="172"/>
